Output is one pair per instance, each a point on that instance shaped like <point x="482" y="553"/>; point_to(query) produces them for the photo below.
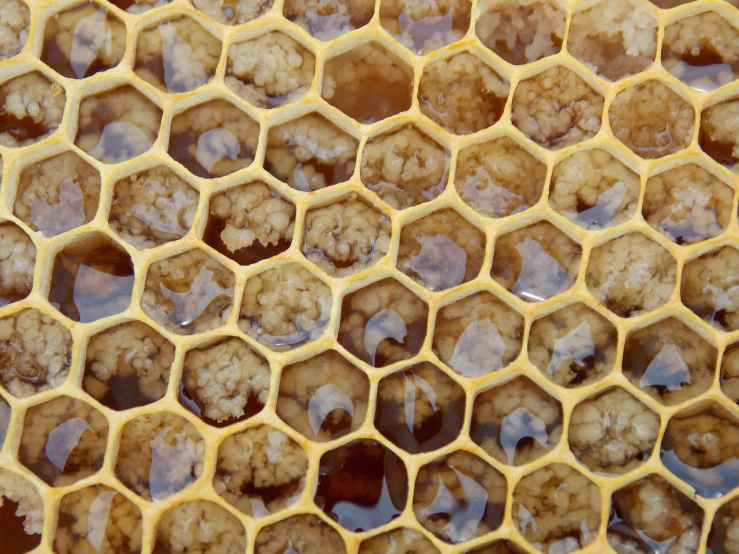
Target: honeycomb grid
<point x="14" y="160"/>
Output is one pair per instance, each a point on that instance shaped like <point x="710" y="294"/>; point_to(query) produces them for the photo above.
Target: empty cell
<point x="17" y="262"/>
<point x="423" y="26"/>
<point x="31" y="109"/>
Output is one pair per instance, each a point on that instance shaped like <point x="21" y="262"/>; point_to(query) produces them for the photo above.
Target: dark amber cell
<point x="21" y="529"/>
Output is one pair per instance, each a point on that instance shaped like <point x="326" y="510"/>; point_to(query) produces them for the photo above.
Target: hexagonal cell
<point x="63" y="440"/>
<point x="573" y="346"/>
<point x="730" y="372"/>
<point x="420" y="408"/>
<point x="16" y="18"/>
<point x="368" y="82"/>
<point x="669" y="361"/>
<point x="260" y="471"/>
<point x="176" y="54"/>
<point x="709" y="288"/>
<point x="461" y="93"/>
<point x="557" y="108"/>
<point x="285" y="307"/>
<point x="500" y="546"/>
<point x="722" y="538"/>
<point x="329" y="19"/>
<point x="5" y="414"/>
<point x="152" y="207"/>
<point x="301" y="534"/>
<point x="631" y="274"/>
<point x="516" y="422"/>
<point x="127" y="366"/>
<point x="36" y="351"/>
<point x="380" y="499"/>
<point x="405" y="167"/>
<point x="270" y="70"/>
<point x="138" y="6"/>
<point x="21" y="512"/>
<point x="459" y="497"/>
<point x="536" y="262"/>
<point x="310" y="153"/>
<point x="400" y="540"/>
<point x="83" y="40"/>
<point x="213" y="139"/>
<point x="614" y="38"/>
<point x="612" y="432"/>
<point x="701" y="50"/>
<point x="232" y="12"/>
<point x="31" y="108"/>
<point x="57" y="194"/>
<point x="383" y="310"/>
<point x="324" y="397"/>
<point x="422" y="26"/>
<point x="159" y="454"/>
<point x="188" y="293"/>
<point x="651" y="119"/>
<point x="249" y="223"/>
<point x="499" y="177"/>
<point x="651" y="513"/>
<point x="224" y="381"/>
<point x="17" y="261"/>
<point x="91" y="279"/>
<point x="719" y="130"/>
<point x="441" y="250"/>
<point x="557" y="509"/>
<point x="346" y="236"/>
<point x="199" y="526"/>
<point x="97" y="519"/>
<point x="594" y="190"/>
<point x="478" y="334"/>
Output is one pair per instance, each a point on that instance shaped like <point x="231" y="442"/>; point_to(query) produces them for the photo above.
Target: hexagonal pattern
<point x="718" y="136"/>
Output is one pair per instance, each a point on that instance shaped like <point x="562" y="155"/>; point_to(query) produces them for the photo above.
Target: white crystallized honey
<point x="355" y="277"/>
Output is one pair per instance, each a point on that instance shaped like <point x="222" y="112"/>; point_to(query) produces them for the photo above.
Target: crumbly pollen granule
<point x="15" y="488"/>
<point x="15" y="19"/>
<point x="199" y="526"/>
<point x="17" y="261"/>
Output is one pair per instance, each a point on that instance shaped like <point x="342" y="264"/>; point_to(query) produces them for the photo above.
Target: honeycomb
<point x="341" y="276"/>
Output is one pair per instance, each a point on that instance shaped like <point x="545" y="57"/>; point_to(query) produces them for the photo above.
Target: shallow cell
<point x="701" y="447"/>
<point x="310" y="153"/>
<point x="516" y="422"/>
<point x="232" y="12"/>
<point x="423" y="26"/>
<point x="83" y="40"/>
<point x="499" y="177"/>
<point x="631" y="274"/>
<point x="31" y="108"/>
<point x="91" y="279"/>
<point x="346" y="236"/>
<point x="723" y="536"/>
<point x="188" y="293"/>
<point x="159" y="454"/>
<point x="324" y="397"/>
<point x="15" y="19"/>
<point x="21" y="513"/>
<point x="270" y="70"/>
<point x="612" y="432"/>
<point x="594" y="190"/>
<point x="57" y="194"/>
<point x="557" y="509"/>
<point x="152" y="207"/>
<point x="719" y="133"/>
<point x="614" y="38"/>
<point x="224" y="381"/>
<point x="420" y="408"/>
<point x="328" y="19"/>
<point x="176" y="55"/>
<point x="127" y="366"/>
<point x="730" y="372"/>
<point x="702" y="50"/>
<point x="98" y="519"/>
<point x="299" y="534"/>
<point x="199" y="526"/>
<point x="709" y="288"/>
<point x="383" y="323"/>
<point x="285" y="307"/>
<point x="361" y="485"/>
<point x="405" y="167"/>
<point x="260" y="471"/>
<point x="138" y="6"/>
<point x="36" y="352"/>
<point x="368" y="82"/>
<point x="669" y="361"/>
<point x="213" y="139"/>
<point x="477" y="334"/>
<point x="5" y="415"/>
<point x="557" y="108"/>
<point x="536" y="262"/>
<point x="401" y="540"/>
<point x="441" y="250"/>
<point x="459" y="497"/>
<point x="249" y="223"/>
<point x="522" y="31"/>
<point x="17" y="261"/>
<point x="462" y="93"/>
<point x="501" y="546"/>
<point x="63" y="440"/>
<point x="651" y="515"/>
